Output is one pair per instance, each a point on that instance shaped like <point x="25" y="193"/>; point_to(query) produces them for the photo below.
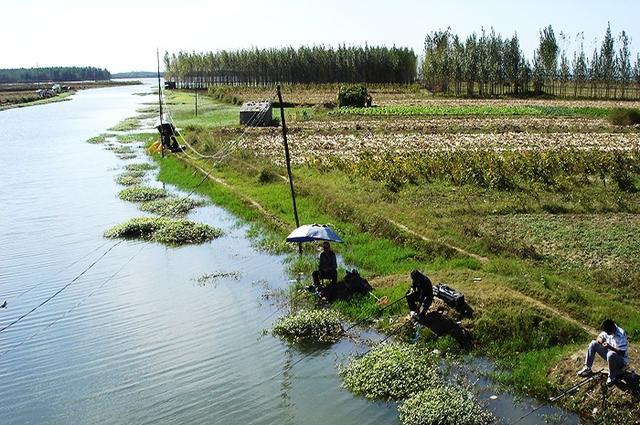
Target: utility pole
<point x="288" y="161"/>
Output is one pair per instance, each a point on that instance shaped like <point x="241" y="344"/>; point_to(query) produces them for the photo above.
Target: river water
<point x="137" y="339"/>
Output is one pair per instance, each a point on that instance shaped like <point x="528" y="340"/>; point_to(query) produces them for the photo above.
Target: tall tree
<point x="624" y="62"/>
<point x="608" y="60"/>
<point x="548" y="53"/>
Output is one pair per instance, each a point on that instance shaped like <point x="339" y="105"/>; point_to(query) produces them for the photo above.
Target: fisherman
<point x="611" y="345"/>
<point x="327" y="267"/>
<point x="421" y="292"/>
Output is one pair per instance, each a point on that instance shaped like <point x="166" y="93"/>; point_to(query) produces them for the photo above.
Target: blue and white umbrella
<point x="313" y="232"/>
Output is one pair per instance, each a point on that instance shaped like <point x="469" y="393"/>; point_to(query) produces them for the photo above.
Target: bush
<point x="391" y="372"/>
<point x="267" y="175"/>
<point x="444" y="405"/>
<point x="318" y="325"/>
<point x="353" y="95"/>
<point x="141" y="194"/>
<point x="164" y="230"/>
<point x="624" y="116"/>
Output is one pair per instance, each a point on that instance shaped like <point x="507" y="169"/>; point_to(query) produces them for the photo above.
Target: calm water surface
<point x="136" y="339"/>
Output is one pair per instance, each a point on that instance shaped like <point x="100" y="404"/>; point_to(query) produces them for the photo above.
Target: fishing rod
<point x="567" y="392"/>
<point x="576" y="386"/>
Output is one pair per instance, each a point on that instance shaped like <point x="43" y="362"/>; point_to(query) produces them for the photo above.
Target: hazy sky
<point x="123" y="35"/>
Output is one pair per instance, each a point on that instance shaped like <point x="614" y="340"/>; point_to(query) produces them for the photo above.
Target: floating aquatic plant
<point x="127" y="156"/>
<point x="122" y="150"/>
<point x="391" y="372"/>
<point x="174" y="207"/>
<point x="133" y="173"/>
<point x="127" y="180"/>
<point x="208" y="278"/>
<point x="444" y="405"/>
<point x="98" y="139"/>
<point x="136" y="138"/>
<point x="126" y="124"/>
<point x="140" y="166"/>
<point x="164" y="230"/>
<point x="317" y="325"/>
<point x="141" y="194"/>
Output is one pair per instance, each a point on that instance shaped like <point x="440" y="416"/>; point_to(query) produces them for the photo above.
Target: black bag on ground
<point x="352" y="284"/>
<point x="449" y="295"/>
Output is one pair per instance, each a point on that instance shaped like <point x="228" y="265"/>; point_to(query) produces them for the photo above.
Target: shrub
<point x="267" y="175"/>
<point x="141" y="194"/>
<point x="444" y="405"/>
<point x="624" y="116"/>
<point x="319" y="325"/>
<point x="164" y="230"/>
<point x="353" y="95"/>
<point x="391" y="372"/>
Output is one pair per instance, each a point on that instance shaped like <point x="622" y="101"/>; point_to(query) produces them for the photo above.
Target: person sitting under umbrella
<point x="421" y="292"/>
<point x="327" y="267"/>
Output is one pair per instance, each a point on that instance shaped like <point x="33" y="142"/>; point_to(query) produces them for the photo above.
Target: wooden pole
<point x="196" y="101"/>
<point x="288" y="161"/>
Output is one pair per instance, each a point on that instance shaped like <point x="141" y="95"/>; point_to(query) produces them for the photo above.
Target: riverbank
<point x="24" y="95"/>
<point x="525" y="308"/>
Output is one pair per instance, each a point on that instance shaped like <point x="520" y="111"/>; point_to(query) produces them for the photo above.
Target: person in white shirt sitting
<point x="611" y="345"/>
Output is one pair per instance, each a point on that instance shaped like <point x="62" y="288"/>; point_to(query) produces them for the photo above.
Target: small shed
<point x="256" y="114"/>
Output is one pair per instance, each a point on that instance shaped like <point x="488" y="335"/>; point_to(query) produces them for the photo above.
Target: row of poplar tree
<point x="305" y="65"/>
<point x="487" y="64"/>
<point x="484" y="64"/>
<point x="57" y="73"/>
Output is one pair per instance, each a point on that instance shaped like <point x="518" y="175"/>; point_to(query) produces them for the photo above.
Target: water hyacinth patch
<point x="126" y="124"/>
<point x="122" y="150"/>
<point x="140" y="166"/>
<point x="136" y="138"/>
<point x="133" y="173"/>
<point x="128" y="180"/>
<point x="98" y="139"/>
<point x="164" y="230"/>
<point x="141" y="194"/>
<point x="391" y="372"/>
<point x="311" y="325"/>
<point x="444" y="405"/>
<point x="175" y="207"/>
<point x="127" y="156"/>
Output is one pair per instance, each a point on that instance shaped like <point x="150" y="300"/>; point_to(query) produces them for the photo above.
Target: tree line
<point x="487" y="64"/>
<point x="58" y="73"/>
<point x="304" y="65"/>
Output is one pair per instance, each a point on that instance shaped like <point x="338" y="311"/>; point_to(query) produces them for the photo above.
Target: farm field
<point x="533" y="214"/>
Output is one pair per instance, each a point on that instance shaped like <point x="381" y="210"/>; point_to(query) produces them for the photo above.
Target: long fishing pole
<point x="160" y="98"/>
<point x="560" y="396"/>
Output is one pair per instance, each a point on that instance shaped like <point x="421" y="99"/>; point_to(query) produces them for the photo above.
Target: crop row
<point x="500" y="170"/>
<point x="476" y="110"/>
<point x="451" y="124"/>
<point x="313" y="147"/>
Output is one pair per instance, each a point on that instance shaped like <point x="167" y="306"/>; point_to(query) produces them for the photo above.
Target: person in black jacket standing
<point x="328" y="266"/>
<point x="420" y="295"/>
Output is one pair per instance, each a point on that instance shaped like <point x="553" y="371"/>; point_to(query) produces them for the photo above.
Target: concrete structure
<point x="256" y="114"/>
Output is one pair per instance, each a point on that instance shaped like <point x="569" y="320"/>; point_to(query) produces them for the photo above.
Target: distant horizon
<point x="120" y="41"/>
